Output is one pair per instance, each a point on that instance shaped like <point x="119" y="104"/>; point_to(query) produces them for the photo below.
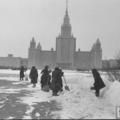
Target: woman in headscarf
<point x="56" y="81"/>
<point x="45" y="78"/>
<point x="98" y="82"/>
<point x="22" y="73"/>
<point x="33" y="76"/>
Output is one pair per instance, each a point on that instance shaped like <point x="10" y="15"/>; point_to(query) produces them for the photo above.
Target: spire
<point x="39" y="46"/>
<point x="66" y="17"/>
<point x="98" y="44"/>
<point x="33" y="43"/>
<point x="33" y="39"/>
<point x="66" y="26"/>
<point x="66" y="7"/>
<point x="98" y="41"/>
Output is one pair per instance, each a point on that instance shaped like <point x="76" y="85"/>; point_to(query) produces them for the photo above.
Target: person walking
<point x="33" y="75"/>
<point x="98" y="82"/>
<point x="22" y="73"/>
<point x="56" y="81"/>
<point x="45" y="78"/>
<point x="61" y="73"/>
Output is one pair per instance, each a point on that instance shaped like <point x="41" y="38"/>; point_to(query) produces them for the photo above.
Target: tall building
<point x="65" y="54"/>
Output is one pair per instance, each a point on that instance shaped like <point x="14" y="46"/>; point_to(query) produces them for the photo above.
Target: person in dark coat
<point x="22" y="73"/>
<point x="33" y="76"/>
<point x="61" y="83"/>
<point x="98" y="82"/>
<point x="56" y="81"/>
<point x="45" y="78"/>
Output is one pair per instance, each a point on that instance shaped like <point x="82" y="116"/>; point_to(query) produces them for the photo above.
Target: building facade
<point x="13" y="62"/>
<point x="65" y="54"/>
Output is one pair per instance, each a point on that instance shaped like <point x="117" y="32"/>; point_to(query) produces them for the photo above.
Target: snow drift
<point x="113" y="93"/>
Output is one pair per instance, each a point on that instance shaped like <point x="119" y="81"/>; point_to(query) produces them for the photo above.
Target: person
<point x="45" y="78"/>
<point x="98" y="82"/>
<point x="22" y="73"/>
<point x="33" y="75"/>
<point x="60" y="81"/>
<point x="56" y="81"/>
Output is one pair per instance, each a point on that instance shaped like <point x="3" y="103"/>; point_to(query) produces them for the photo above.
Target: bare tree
<point x="114" y="73"/>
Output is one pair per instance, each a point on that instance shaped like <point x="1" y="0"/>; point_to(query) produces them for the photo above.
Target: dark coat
<point x="56" y="80"/>
<point x="98" y="84"/>
<point x="60" y="81"/>
<point x="45" y="78"/>
<point x="22" y="72"/>
<point x="33" y="75"/>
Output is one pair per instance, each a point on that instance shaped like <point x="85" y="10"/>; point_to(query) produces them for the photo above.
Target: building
<point x="65" y="54"/>
<point x="111" y="64"/>
<point x="12" y="62"/>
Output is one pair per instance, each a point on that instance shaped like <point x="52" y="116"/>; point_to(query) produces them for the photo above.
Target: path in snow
<point x="81" y="102"/>
<point x="19" y="100"/>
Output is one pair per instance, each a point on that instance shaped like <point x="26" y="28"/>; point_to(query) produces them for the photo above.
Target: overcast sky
<point x="20" y="20"/>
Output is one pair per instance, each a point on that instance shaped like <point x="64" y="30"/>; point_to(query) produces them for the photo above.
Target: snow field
<point x="78" y="103"/>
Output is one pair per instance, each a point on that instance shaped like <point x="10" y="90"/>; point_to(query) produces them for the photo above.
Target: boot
<point x="55" y="94"/>
<point x="97" y="93"/>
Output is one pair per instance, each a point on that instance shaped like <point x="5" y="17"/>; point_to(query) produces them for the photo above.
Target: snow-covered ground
<point x="78" y="103"/>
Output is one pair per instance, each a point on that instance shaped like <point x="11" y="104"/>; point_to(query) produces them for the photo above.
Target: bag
<point x="46" y="88"/>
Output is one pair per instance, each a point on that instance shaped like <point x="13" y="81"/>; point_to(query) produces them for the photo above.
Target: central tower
<point x="65" y="44"/>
